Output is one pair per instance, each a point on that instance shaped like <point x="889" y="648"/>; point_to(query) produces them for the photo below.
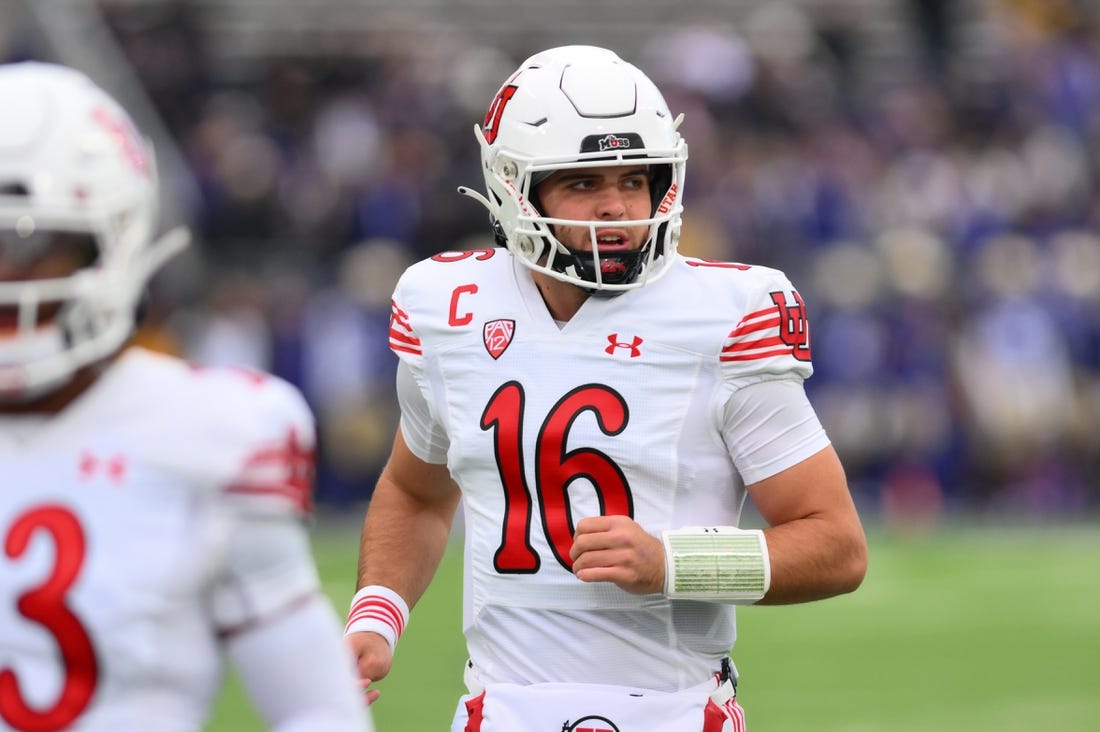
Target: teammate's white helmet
<point x="71" y="160"/>
<point x="571" y="107"/>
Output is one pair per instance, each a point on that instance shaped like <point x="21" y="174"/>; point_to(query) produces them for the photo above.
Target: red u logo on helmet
<point x="491" y="125"/>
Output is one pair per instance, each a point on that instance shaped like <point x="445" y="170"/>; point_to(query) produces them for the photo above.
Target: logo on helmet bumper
<point x="614" y="142"/>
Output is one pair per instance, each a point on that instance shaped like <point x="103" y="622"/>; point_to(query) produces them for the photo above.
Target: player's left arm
<point x="815" y="539"/>
<point x="815" y="545"/>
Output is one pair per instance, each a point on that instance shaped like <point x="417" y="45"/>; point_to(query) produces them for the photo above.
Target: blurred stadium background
<point x="927" y="172"/>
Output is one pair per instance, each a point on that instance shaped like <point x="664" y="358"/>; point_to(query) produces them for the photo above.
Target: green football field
<point x="967" y="630"/>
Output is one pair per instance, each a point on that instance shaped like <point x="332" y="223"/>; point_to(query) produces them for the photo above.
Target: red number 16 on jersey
<point x="556" y="468"/>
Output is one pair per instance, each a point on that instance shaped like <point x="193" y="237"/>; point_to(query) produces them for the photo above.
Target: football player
<point x="151" y="512"/>
<point x="603" y="405"/>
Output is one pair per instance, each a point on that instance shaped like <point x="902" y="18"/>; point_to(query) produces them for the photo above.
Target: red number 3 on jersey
<point x="46" y="605"/>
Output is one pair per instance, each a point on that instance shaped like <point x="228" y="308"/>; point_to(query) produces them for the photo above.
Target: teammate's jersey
<point x="115" y="518"/>
<point x="617" y="411"/>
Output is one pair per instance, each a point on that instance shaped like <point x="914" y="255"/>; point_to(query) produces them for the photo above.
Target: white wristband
<point x="717" y="563"/>
<point x="378" y="609"/>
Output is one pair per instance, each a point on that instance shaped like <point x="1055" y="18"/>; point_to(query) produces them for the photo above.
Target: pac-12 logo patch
<point x="498" y="334"/>
<point x="591" y="723"/>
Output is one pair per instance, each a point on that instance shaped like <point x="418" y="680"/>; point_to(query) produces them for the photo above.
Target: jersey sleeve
<point x="770" y="426"/>
<point x="275" y="465"/>
<point x="765" y="418"/>
<point x="426" y="438"/>
<point x="771" y="339"/>
<point x="264" y="495"/>
<point x="267" y="568"/>
<point x="423" y="431"/>
<point x="403" y="338"/>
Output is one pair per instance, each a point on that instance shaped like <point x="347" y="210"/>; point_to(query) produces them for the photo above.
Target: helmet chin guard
<point x="71" y="161"/>
<point x="581" y="107"/>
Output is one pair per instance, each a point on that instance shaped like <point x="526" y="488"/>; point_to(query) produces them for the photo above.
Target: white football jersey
<point x="617" y="411"/>
<point x="115" y="517"/>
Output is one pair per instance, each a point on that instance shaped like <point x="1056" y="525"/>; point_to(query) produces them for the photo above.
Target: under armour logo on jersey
<point x="591" y="723"/>
<point x="112" y="468"/>
<point x="498" y="335"/>
<point x="613" y="339"/>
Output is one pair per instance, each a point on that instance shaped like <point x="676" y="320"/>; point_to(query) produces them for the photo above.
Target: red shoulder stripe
<point x="285" y="470"/>
<point x="401" y="332"/>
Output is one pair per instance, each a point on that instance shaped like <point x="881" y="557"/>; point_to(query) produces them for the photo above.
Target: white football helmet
<point x="71" y="161"/>
<point x="574" y="107"/>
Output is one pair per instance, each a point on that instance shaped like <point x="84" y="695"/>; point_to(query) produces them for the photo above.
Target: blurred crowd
<point x="942" y="224"/>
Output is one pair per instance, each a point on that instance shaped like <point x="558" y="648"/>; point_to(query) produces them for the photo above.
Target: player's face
<point x="47" y="257"/>
<point x="606" y="194"/>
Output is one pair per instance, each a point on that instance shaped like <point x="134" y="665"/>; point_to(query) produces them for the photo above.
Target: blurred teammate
<point x="151" y="513"/>
<point x="603" y="405"/>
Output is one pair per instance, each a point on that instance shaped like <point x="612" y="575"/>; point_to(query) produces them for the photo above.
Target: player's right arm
<point x="404" y="536"/>
<point x="409" y="519"/>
